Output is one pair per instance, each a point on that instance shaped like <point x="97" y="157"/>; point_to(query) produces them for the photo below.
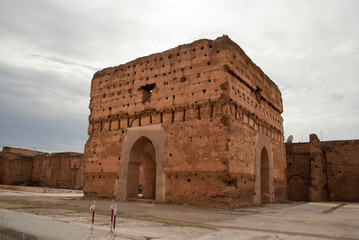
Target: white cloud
<point x="49" y="51"/>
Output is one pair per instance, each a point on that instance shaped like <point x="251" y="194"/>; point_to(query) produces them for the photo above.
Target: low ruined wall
<point x="319" y="171"/>
<point x="27" y="167"/>
<point x="64" y="170"/>
<point x="15" y="168"/>
<point x="342" y="169"/>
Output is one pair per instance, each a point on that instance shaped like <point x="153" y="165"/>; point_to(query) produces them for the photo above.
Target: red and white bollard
<point x="111" y="233"/>
<point x="93" y="208"/>
<point x="114" y="218"/>
<point x="111" y="215"/>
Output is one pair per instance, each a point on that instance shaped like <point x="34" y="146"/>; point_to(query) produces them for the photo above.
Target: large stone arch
<point x="146" y="142"/>
<point x="141" y="169"/>
<point x="263" y="170"/>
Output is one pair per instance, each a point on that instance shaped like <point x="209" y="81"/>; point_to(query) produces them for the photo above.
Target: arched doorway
<point x="297" y="190"/>
<point x="141" y="176"/>
<point x="264" y="176"/>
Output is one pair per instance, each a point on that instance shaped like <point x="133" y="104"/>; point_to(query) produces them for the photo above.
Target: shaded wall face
<point x="148" y="175"/>
<point x="265" y="178"/>
<point x="298" y="175"/>
<point x="318" y="190"/>
<point x="340" y="170"/>
<point x="258" y="107"/>
<point x="298" y="189"/>
<point x="304" y="184"/>
<point x="16" y="168"/>
<point x="279" y="173"/>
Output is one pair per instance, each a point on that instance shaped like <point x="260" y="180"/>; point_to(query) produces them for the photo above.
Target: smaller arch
<point x="295" y="175"/>
<point x="297" y="190"/>
<point x="263" y="170"/>
<point x="265" y="177"/>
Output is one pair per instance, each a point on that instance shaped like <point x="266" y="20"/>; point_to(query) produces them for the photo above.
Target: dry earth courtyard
<point x="66" y="216"/>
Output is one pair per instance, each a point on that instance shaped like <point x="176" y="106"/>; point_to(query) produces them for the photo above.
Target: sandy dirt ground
<point x="149" y="220"/>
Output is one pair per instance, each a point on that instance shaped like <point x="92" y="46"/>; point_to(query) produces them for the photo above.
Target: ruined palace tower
<point x="198" y="124"/>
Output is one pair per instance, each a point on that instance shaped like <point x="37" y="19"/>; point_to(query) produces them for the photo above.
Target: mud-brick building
<point x="198" y="124"/>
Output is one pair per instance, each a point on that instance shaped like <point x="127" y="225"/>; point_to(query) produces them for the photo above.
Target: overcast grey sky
<point x="50" y="49"/>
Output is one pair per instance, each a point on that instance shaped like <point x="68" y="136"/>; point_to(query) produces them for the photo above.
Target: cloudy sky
<point x="50" y="49"/>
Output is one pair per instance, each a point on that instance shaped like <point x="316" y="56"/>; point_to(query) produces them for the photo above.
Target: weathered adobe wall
<point x="117" y="102"/>
<point x="227" y="138"/>
<point x="102" y="162"/>
<point x="306" y="171"/>
<point x="298" y="171"/>
<point x="319" y="189"/>
<point x="196" y="160"/>
<point x="319" y="171"/>
<point x="256" y="107"/>
<point x="342" y="159"/>
<point x="27" y="167"/>
<point x="213" y="110"/>
<point x="16" y="168"/>
<point x="63" y="170"/>
<point x="213" y="163"/>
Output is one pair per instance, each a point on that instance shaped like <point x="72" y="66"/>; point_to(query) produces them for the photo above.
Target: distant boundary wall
<point x="33" y="168"/>
<point x="322" y="171"/>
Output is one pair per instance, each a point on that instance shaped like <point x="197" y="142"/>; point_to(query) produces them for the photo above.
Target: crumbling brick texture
<point x="219" y="112"/>
<point x="342" y="169"/>
<point x="320" y="171"/>
<point x="298" y="171"/>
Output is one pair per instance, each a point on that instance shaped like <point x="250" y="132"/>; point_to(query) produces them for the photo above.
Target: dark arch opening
<point x="265" y="183"/>
<point x="141" y="176"/>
